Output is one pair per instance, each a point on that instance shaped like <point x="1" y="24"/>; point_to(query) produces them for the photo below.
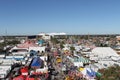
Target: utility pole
<point x="88" y="36"/>
<point x="5" y="38"/>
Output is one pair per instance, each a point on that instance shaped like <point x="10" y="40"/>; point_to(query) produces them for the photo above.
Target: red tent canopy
<point x="24" y="71"/>
<point x="27" y="44"/>
<point x="19" y="78"/>
<point x="28" y="78"/>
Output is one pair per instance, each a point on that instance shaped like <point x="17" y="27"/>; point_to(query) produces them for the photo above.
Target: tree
<point x="72" y="48"/>
<point x="61" y="46"/>
<point x="54" y="40"/>
<point x="13" y="42"/>
<point x="111" y="73"/>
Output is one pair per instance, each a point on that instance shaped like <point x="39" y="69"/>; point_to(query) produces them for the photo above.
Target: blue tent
<point x="32" y="52"/>
<point x="36" y="63"/>
<point x="40" y="42"/>
<point x="91" y="73"/>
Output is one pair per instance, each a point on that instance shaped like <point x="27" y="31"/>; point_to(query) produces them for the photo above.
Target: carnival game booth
<point x="19" y="50"/>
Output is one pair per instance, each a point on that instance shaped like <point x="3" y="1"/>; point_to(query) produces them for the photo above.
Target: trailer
<point x="4" y="70"/>
<point x="15" y="57"/>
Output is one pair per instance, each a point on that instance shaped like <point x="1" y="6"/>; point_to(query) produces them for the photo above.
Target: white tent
<point x="78" y="64"/>
<point x="104" y="52"/>
<point x="40" y="49"/>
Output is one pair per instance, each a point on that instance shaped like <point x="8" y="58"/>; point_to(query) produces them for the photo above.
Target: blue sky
<point x="70" y="16"/>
